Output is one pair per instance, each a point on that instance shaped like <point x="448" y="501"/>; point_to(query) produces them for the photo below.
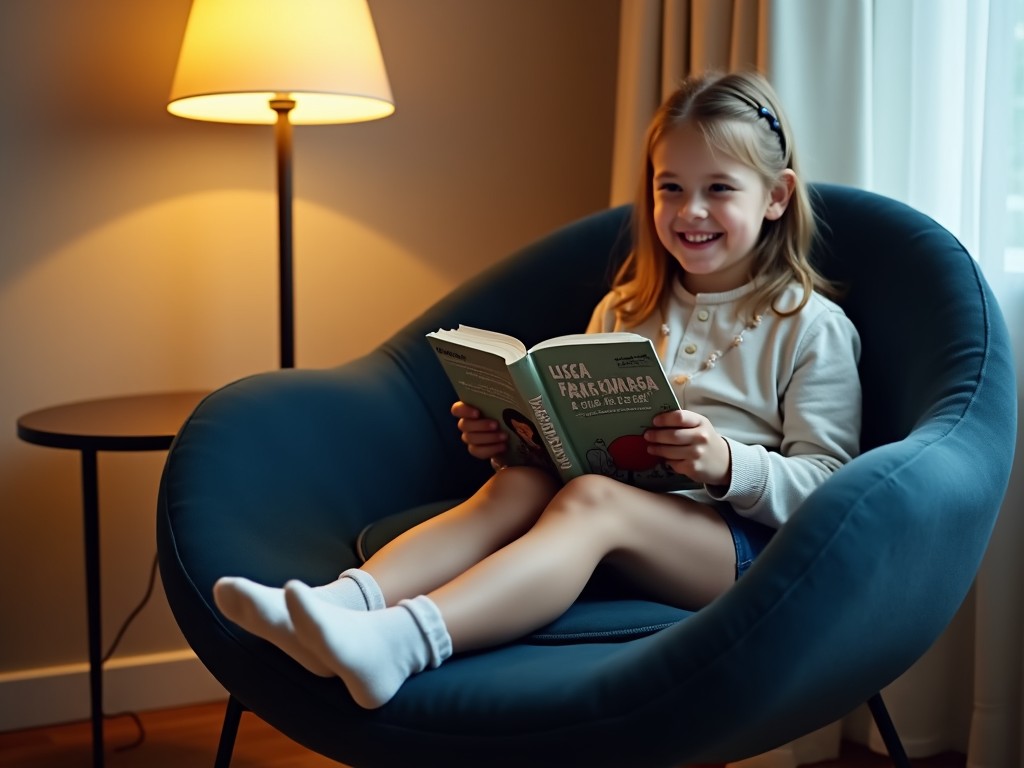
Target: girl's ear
<point x="780" y="194"/>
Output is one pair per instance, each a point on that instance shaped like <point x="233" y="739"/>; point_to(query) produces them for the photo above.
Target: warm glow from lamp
<point x="238" y="55"/>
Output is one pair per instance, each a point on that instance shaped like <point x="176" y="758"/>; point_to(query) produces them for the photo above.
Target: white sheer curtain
<point x="915" y="99"/>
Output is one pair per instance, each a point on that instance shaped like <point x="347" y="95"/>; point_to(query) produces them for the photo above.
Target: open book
<point x="579" y="403"/>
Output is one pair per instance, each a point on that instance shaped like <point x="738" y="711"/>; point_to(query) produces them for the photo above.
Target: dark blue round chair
<point x="277" y="476"/>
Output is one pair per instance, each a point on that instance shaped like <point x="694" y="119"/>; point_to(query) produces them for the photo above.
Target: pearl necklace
<point x="685" y="378"/>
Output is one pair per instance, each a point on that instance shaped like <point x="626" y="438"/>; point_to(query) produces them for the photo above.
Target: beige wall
<point x="137" y="250"/>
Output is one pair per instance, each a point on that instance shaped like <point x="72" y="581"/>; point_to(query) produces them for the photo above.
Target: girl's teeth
<point x="699" y="238"/>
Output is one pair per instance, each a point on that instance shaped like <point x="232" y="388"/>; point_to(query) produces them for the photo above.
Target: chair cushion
<point x="606" y="611"/>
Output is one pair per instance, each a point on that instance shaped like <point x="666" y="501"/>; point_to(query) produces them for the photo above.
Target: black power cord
<point x="113" y="647"/>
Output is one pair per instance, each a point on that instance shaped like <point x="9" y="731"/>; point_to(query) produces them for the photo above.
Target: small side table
<point x="131" y="423"/>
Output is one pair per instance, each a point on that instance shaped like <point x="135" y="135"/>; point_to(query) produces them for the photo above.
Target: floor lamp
<point x="285" y="63"/>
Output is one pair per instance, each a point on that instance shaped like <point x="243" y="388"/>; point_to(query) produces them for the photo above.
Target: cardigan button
<point x="690" y="349"/>
<point x="703" y="315"/>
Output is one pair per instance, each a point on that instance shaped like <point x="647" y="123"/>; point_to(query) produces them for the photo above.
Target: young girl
<point x="765" y="368"/>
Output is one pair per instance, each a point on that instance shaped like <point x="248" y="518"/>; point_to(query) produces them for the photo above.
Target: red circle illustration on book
<point x="629" y="452"/>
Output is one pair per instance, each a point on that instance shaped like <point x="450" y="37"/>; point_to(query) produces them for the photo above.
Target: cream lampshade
<point x="281" y="62"/>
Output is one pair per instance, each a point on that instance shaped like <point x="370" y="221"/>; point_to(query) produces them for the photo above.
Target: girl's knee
<point x="591" y="497"/>
<point x="592" y="489"/>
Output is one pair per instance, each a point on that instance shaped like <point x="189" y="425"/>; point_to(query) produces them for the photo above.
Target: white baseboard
<point x="50" y="695"/>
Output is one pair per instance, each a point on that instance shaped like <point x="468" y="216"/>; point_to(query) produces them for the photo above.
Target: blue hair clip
<point x="774" y="124"/>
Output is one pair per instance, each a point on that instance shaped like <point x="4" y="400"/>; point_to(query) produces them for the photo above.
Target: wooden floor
<point x="175" y="738"/>
<point x="187" y="738"/>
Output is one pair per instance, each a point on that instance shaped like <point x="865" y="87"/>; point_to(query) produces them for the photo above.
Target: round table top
<point x="129" y="423"/>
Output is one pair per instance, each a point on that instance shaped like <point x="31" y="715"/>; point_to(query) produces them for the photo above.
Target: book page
<point x="508" y="347"/>
<point x="610" y="337"/>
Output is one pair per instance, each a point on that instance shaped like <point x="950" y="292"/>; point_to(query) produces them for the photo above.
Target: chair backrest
<point x="920" y="303"/>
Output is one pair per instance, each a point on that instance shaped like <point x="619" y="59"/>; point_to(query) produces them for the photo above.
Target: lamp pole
<point x="286" y="286"/>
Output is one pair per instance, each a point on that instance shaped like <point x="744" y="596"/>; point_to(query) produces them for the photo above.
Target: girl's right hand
<point x="484" y="437"/>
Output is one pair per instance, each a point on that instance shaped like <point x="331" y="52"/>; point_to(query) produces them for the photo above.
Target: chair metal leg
<point x="232" y="716"/>
<point x="888" y="732"/>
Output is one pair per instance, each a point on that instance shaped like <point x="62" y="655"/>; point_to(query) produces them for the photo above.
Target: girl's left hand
<point x="690" y="445"/>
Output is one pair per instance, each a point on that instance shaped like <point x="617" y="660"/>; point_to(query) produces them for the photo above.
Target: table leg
<point x="91" y="521"/>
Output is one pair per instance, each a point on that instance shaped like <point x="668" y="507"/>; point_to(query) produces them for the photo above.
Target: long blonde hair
<point x="730" y="112"/>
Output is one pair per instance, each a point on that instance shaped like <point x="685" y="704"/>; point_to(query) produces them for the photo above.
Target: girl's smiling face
<point x="709" y="207"/>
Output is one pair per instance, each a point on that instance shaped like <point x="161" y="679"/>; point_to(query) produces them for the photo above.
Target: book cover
<point x="585" y="399"/>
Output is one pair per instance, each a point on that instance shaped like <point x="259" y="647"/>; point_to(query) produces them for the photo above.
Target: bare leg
<point x="436" y="551"/>
<point x="413" y="564"/>
<point x="679" y="550"/>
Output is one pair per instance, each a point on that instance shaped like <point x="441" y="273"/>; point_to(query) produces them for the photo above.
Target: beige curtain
<point x="662" y="41"/>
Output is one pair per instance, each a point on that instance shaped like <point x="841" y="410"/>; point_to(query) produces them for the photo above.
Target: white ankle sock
<point x="373" y="653"/>
<point x="339" y="591"/>
<point x="262" y="611"/>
